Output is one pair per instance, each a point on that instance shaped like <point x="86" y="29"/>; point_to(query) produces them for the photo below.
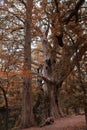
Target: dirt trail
<point x="66" y="123"/>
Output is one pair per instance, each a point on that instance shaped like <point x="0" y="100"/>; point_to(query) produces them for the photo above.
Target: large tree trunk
<point x="27" y="107"/>
<point x="48" y="70"/>
<point x="54" y="108"/>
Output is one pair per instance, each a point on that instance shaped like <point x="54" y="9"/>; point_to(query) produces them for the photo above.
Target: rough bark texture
<point x="27" y="109"/>
<point x="52" y="103"/>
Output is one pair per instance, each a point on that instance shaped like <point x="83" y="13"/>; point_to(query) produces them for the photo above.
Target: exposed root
<point x="48" y="121"/>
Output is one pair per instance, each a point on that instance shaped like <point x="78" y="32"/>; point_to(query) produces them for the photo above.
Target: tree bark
<point x="27" y="106"/>
<point x="6" y="105"/>
<point x="54" y="107"/>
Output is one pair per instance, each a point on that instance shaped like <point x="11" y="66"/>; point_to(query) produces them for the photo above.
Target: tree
<point x="27" y="107"/>
<point x="15" y="46"/>
<point x="6" y="104"/>
<point x="57" y="61"/>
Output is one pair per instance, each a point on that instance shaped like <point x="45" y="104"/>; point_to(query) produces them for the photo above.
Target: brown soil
<point x="66" y="123"/>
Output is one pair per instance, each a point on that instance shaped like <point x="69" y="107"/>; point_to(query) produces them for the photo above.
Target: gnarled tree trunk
<point x="55" y="73"/>
<point x="52" y="86"/>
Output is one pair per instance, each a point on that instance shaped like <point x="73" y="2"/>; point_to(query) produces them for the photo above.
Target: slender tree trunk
<point x="6" y="105"/>
<point x="27" y="107"/>
<point x="86" y="112"/>
<point x="85" y="103"/>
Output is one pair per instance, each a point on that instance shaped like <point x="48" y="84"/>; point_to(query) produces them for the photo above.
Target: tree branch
<point x="66" y="65"/>
<point x="56" y="3"/>
<point x="74" y="12"/>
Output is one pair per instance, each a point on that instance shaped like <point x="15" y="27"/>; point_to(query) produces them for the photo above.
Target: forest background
<point x="43" y="58"/>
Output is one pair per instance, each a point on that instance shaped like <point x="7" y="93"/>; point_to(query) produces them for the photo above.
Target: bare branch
<point x="74" y="12"/>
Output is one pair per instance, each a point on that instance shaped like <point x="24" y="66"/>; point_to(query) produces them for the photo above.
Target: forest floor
<point x="65" y="123"/>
